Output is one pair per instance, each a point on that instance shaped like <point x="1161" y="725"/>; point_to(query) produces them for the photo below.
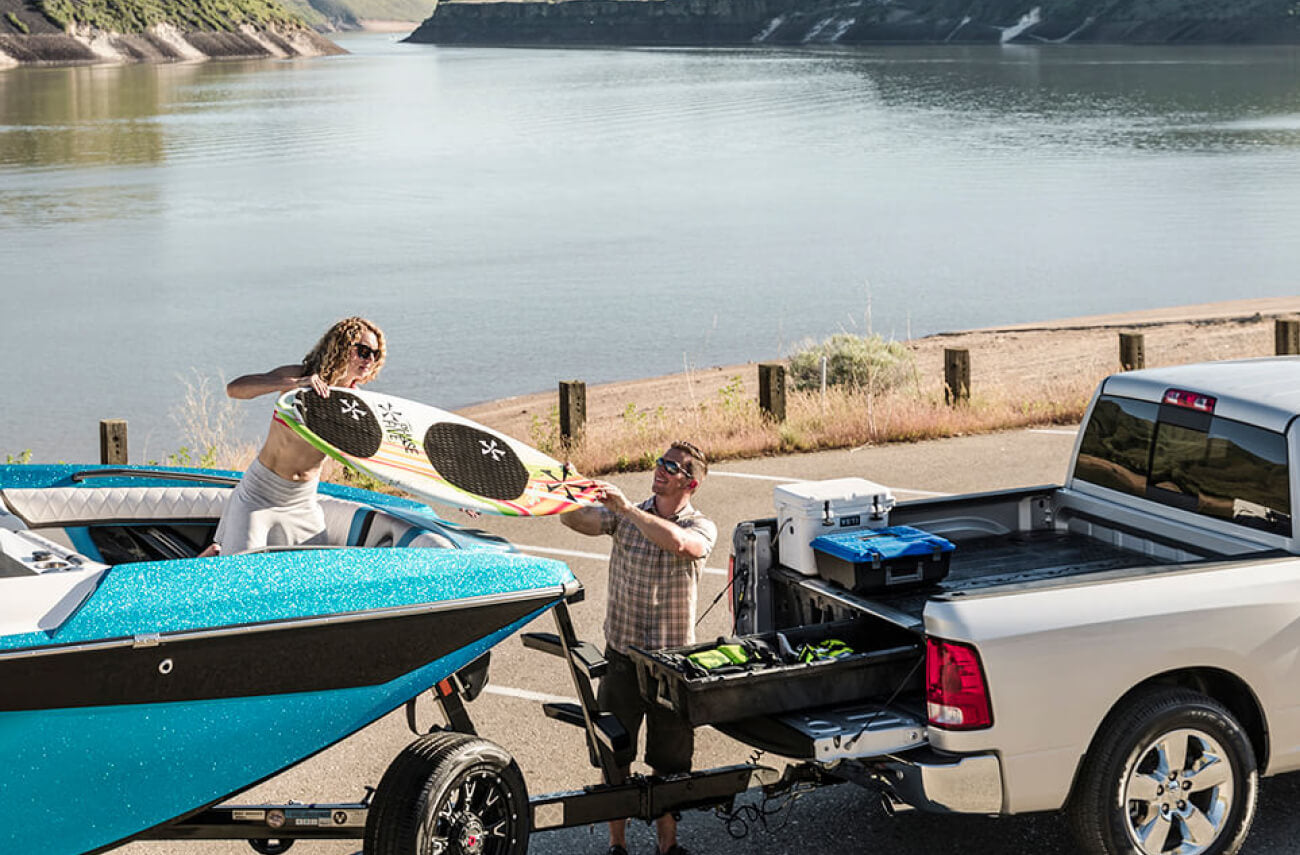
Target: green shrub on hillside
<point x="136" y="16"/>
<point x="868" y="363"/>
<point x="18" y="25"/>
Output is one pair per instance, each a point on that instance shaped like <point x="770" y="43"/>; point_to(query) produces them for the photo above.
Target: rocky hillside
<point x="92" y="31"/>
<point x="793" y="22"/>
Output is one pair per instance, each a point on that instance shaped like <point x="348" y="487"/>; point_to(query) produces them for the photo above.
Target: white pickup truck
<point x="1125" y="647"/>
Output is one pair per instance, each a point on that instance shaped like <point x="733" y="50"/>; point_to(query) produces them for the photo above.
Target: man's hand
<point x="612" y="497"/>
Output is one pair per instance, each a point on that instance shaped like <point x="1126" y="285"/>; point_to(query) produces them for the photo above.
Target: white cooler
<point x="809" y="509"/>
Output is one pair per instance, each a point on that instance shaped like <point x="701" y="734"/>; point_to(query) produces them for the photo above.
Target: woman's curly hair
<point x="329" y="357"/>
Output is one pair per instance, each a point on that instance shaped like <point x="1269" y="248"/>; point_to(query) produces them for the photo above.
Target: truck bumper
<point x="944" y="783"/>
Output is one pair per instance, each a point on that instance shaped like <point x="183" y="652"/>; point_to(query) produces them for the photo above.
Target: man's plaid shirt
<point x="652" y="593"/>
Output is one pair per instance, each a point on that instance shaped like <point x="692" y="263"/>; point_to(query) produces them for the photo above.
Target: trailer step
<point x="585" y="654"/>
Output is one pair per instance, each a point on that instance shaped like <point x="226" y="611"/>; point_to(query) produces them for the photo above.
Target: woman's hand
<point x="317" y="383"/>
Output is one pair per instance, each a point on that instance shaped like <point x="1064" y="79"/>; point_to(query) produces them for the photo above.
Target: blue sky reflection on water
<point x="514" y="217"/>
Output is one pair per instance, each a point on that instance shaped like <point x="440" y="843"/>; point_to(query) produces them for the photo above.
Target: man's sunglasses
<point x="672" y="467"/>
<point x="365" y="351"/>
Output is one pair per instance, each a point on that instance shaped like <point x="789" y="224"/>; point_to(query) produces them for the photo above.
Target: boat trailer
<point x="452" y="785"/>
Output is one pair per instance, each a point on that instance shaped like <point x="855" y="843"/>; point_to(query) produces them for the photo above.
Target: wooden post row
<point x="956" y="375"/>
<point x="1132" y="351"/>
<point x="112" y="441"/>
<point x="771" y="390"/>
<point x="1286" y="337"/>
<point x="573" y="410"/>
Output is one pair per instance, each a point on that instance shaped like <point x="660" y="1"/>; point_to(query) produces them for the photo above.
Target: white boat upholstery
<point x="65" y="506"/>
<point x="58" y="507"/>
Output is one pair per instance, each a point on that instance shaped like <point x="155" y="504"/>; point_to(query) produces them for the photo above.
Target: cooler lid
<point x="837" y="490"/>
<point x="881" y="544"/>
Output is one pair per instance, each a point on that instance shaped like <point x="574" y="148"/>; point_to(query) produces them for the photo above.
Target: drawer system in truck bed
<point x="880" y="661"/>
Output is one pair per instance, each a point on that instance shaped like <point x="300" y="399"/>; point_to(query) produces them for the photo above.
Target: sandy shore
<point x="1023" y="356"/>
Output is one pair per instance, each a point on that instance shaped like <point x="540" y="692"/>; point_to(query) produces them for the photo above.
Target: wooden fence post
<point x="1132" y="351"/>
<point x="956" y="375"/>
<point x="573" y="410"/>
<point x="1286" y="337"/>
<point x="112" y="441"/>
<point x="771" y="390"/>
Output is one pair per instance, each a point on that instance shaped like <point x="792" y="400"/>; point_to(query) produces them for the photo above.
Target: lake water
<point x="516" y="217"/>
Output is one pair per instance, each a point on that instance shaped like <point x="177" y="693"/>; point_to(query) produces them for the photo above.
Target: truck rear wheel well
<point x="1223" y="686"/>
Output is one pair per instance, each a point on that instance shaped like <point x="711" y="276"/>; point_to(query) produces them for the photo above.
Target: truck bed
<point x="1018" y="558"/>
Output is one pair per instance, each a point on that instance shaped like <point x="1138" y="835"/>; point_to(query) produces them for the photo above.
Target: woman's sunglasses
<point x="672" y="467"/>
<point x="365" y="351"/>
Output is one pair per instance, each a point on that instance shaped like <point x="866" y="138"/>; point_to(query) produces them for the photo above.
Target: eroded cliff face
<point x="83" y="32"/>
<point x="161" y="43"/>
<point x="791" y="22"/>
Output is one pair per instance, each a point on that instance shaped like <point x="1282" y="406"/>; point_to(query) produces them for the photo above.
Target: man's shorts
<point x="669" y="741"/>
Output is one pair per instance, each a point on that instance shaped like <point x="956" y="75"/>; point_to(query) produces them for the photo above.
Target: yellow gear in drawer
<point x="717" y="657"/>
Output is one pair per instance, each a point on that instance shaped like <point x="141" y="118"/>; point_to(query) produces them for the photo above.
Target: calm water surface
<point x="515" y="217"/>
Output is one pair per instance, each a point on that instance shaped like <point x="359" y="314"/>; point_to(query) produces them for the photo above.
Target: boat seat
<point x="349" y="523"/>
<point x="72" y="506"/>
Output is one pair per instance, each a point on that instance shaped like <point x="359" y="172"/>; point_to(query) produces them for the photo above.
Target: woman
<point x="275" y="503"/>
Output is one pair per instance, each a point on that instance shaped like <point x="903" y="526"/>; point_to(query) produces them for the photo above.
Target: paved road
<point x="837" y="820"/>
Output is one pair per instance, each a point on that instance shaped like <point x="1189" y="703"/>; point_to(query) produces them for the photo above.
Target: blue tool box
<point x="874" y="560"/>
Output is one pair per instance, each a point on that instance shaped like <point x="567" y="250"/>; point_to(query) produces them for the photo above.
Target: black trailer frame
<point x="272" y="828"/>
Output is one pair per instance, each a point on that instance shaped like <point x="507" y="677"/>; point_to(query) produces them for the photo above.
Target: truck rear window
<point x="1194" y="461"/>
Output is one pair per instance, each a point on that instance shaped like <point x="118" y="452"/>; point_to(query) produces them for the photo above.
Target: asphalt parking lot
<point x="834" y="820"/>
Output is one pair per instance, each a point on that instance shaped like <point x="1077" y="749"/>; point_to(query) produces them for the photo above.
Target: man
<point x="659" y="550"/>
<point x="275" y="502"/>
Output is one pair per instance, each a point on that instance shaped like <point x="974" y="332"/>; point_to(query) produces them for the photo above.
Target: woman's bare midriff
<point x="289" y="456"/>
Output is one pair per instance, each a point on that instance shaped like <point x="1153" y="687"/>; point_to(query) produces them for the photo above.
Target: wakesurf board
<point x="434" y="454"/>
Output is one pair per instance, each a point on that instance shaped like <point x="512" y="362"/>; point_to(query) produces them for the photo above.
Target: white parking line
<point x="594" y="556"/>
<point x="755" y="477"/>
<point x="788" y="480"/>
<point x="526" y="695"/>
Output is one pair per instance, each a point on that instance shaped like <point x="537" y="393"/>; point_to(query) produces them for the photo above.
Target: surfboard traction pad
<point x="468" y="458"/>
<point x="342" y="420"/>
<point x="475" y="461"/>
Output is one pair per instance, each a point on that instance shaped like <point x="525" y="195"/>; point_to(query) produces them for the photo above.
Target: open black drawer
<point x="882" y="661"/>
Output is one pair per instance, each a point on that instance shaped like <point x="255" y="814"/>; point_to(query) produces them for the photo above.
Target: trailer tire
<point x="1170" y="770"/>
<point x="450" y="793"/>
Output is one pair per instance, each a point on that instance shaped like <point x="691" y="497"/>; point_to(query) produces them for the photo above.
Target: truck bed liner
<point x="1016" y="558"/>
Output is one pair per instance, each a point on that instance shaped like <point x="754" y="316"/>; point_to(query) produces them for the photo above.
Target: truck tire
<point x="1170" y="771"/>
<point x="450" y="794"/>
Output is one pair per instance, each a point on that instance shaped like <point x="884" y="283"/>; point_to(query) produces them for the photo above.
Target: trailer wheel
<point x="1171" y="771"/>
<point x="270" y="846"/>
<point x="450" y="794"/>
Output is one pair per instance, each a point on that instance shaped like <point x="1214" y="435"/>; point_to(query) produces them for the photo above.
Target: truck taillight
<point x="956" y="696"/>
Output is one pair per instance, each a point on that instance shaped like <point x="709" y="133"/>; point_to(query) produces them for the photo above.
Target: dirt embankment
<point x="1025" y="356"/>
<point x="30" y="37"/>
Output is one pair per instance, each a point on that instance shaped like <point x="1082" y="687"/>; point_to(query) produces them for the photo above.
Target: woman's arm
<point x="280" y="379"/>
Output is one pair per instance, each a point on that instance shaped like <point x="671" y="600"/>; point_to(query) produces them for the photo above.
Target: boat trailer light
<point x="1190" y="400"/>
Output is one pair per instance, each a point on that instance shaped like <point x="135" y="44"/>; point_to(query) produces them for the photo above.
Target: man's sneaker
<point x="615" y="849"/>
<point x="674" y="850"/>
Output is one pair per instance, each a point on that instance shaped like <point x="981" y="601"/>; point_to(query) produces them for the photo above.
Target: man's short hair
<point x="699" y="463"/>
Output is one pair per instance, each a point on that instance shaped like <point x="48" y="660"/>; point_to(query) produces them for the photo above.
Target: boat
<point x="142" y="683"/>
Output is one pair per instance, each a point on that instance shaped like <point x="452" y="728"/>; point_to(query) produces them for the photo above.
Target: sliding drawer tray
<point x="880" y="664"/>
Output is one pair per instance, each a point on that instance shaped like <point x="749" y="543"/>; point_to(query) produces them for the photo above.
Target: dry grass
<point x="732" y="429"/>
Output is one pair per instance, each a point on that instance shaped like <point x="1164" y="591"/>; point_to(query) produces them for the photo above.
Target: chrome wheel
<point x="1178" y="791"/>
